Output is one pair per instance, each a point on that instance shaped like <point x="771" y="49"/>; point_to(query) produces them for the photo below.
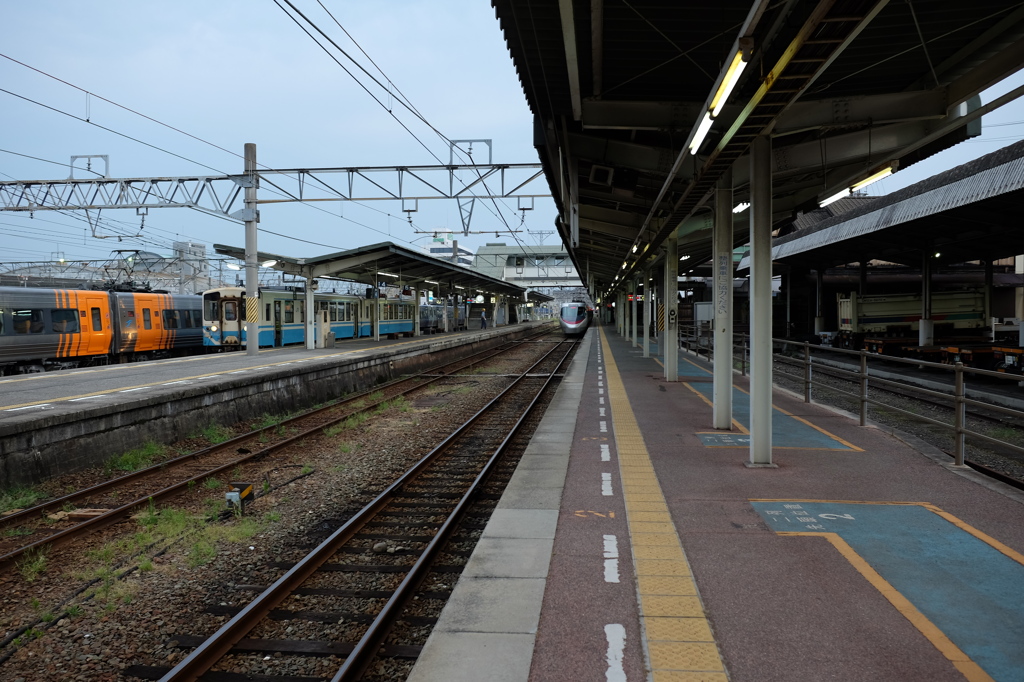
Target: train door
<point x="97" y="322"/>
<point x="277" y="323"/>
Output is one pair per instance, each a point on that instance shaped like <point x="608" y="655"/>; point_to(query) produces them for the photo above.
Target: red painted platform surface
<point x="781" y="607"/>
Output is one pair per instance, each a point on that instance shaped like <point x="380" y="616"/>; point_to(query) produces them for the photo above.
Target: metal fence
<point x="699" y="339"/>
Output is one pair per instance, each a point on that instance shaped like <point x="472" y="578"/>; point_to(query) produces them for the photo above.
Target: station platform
<point x="635" y="544"/>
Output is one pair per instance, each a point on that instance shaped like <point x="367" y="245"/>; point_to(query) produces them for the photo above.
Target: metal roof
<point x="843" y="87"/>
<point x="385" y="261"/>
<point x="966" y="213"/>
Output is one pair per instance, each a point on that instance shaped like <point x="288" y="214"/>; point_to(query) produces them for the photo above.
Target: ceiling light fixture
<point x="842" y="194"/>
<point x="741" y="207"/>
<point x="732" y="76"/>
<point x="884" y="173"/>
<point x="270" y="263"/>
<point x="702" y="132"/>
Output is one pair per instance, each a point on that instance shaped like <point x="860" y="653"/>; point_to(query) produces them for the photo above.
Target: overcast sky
<point x="235" y="72"/>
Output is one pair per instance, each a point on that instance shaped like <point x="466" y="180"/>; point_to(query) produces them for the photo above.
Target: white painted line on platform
<point x="27" y="407"/>
<point x="606" y="452"/>
<point x="600" y="401"/>
<point x="600" y="411"/>
<point x="600" y="383"/>
<point x="600" y="391"/>
<point x="606" y="485"/>
<point x="140" y="388"/>
<point x="88" y="397"/>
<point x="171" y="383"/>
<point x="616" y="636"/>
<point x="611" y="559"/>
<point x="604" y="426"/>
<point x="237" y="372"/>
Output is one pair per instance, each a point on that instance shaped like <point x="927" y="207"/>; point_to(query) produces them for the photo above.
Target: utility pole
<point x="252" y="284"/>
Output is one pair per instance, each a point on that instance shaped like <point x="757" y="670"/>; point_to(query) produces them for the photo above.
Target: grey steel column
<point x="415" y="312"/>
<point x="252" y="277"/>
<point x="647" y="313"/>
<point x="926" y="330"/>
<point x="671" y="338"/>
<point x="819" y="307"/>
<point x="761" y="301"/>
<point x="722" y="409"/>
<point x="310" y="315"/>
<point x="632" y="315"/>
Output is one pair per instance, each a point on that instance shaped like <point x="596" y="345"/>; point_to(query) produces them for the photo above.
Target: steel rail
<point x="201" y="659"/>
<point x="116" y="514"/>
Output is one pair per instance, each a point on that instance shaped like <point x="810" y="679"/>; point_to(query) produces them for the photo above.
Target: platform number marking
<point x="795" y="517"/>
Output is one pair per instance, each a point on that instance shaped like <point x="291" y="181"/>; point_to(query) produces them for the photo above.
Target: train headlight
<point x="213" y="327"/>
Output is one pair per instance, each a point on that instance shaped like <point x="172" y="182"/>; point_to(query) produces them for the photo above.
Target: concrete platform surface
<point x="857" y="558"/>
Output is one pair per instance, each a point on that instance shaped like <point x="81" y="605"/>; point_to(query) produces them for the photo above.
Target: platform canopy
<point x="845" y="89"/>
<point x="385" y="262"/>
<point x="970" y="212"/>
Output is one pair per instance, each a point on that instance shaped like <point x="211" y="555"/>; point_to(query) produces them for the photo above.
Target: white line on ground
<point x="606" y="485"/>
<point x="140" y="388"/>
<point x="27" y="407"/>
<point x="600" y="401"/>
<point x="604" y="426"/>
<point x="616" y="636"/>
<point x="606" y="452"/>
<point x="601" y="411"/>
<point x="611" y="559"/>
<point x="600" y="391"/>
<point x="88" y="397"/>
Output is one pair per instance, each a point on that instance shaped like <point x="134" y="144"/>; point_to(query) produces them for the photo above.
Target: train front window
<point x="230" y="311"/>
<point x="211" y="309"/>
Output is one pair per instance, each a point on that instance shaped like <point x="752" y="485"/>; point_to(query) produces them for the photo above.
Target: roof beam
<point x="571" y="59"/>
<point x="858" y="111"/>
<point x="662" y="116"/>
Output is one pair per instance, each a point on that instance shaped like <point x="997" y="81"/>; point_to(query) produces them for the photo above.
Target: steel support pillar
<point x="310" y="315"/>
<point x="926" y="332"/>
<point x="761" y="302"/>
<point x="647" y="313"/>
<point x="819" y="296"/>
<point x="415" y="312"/>
<point x="722" y="240"/>
<point x="670" y="340"/>
<point x="632" y="315"/>
<point x="252" y="275"/>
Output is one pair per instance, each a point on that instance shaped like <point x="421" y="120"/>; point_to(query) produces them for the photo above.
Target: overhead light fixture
<point x="834" y="198"/>
<point x="732" y="76"/>
<point x="458" y="287"/>
<point x="623" y="265"/>
<point x="386" y="274"/>
<point x="270" y="263"/>
<point x="884" y="173"/>
<point x="937" y="254"/>
<point x="232" y="266"/>
<point x="702" y="132"/>
<point x="741" y="207"/>
<point x="686" y="257"/>
<point x="634" y="248"/>
<point x="428" y="281"/>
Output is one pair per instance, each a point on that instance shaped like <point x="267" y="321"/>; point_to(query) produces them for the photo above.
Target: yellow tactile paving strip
<point x="679" y="643"/>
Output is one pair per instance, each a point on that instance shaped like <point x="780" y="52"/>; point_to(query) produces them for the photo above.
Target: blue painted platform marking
<point x="787" y="432"/>
<point x="968" y="589"/>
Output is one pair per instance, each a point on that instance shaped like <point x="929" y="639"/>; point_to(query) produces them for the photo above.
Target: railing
<point x="699" y="339"/>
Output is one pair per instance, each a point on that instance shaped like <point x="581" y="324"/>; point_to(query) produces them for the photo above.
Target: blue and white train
<point x="282" y="316"/>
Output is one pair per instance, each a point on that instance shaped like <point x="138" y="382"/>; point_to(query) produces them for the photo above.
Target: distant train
<point x="282" y="316"/>
<point x="48" y="329"/>
<point x="574" y="318"/>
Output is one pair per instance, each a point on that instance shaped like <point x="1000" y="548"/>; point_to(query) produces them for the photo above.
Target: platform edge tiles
<point x="490" y="622"/>
<point x="677" y="635"/>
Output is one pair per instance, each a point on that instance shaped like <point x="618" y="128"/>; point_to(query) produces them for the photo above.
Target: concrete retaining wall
<point x="61" y="444"/>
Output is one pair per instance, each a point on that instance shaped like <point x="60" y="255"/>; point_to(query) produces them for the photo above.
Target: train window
<point x="170" y="319"/>
<point x="230" y="311"/>
<point x="302" y="312"/>
<point x="28" y="322"/>
<point x="147" y="319"/>
<point x="97" y="320"/>
<point x="210" y="309"/>
<point x="267" y="318"/>
<point x="64" y="321"/>
<point x="289" y="312"/>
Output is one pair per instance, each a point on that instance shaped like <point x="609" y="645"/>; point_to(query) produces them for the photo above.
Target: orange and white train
<point x="46" y="329"/>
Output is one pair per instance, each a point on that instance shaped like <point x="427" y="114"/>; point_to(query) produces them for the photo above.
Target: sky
<point x="230" y="72"/>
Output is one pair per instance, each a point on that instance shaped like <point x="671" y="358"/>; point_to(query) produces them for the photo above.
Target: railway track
<point x="347" y="592"/>
<point x="62" y="520"/>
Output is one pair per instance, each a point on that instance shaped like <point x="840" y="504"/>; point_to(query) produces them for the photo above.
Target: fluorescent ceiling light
<point x="270" y="263"/>
<point x="634" y="248"/>
<point x="685" y="257"/>
<point x="834" y="198"/>
<point x="387" y="274"/>
<point x="741" y="207"/>
<point x="702" y="132"/>
<point x="884" y="173"/>
<point x="232" y="266"/>
<point x="430" y="281"/>
<point x="732" y="76"/>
